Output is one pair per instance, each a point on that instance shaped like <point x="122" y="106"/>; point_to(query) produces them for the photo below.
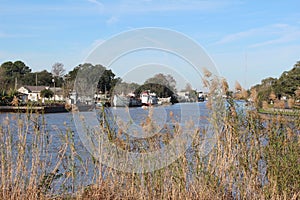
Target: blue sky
<point x="247" y="40"/>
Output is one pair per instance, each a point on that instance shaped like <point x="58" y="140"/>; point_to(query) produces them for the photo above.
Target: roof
<point x="35" y="88"/>
<point x="57" y="90"/>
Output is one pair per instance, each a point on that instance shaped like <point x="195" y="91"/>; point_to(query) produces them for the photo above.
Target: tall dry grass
<point x="254" y="157"/>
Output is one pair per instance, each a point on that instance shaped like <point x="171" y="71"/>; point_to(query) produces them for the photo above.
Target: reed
<point x="254" y="156"/>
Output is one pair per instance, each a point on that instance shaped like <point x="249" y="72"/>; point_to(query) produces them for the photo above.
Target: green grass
<point x="294" y="112"/>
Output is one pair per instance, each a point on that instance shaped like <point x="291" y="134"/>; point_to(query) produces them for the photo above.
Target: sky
<point x="247" y="40"/>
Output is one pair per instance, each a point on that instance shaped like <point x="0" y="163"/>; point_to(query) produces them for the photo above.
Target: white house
<point x="58" y="94"/>
<point x="33" y="93"/>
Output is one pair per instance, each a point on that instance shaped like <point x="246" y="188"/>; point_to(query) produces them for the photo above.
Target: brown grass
<point x="254" y="157"/>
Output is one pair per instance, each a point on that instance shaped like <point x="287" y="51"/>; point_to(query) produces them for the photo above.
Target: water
<point x="56" y="125"/>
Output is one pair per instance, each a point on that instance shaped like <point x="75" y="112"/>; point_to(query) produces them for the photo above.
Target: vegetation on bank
<point x="283" y="92"/>
<point x="16" y="74"/>
<point x="253" y="156"/>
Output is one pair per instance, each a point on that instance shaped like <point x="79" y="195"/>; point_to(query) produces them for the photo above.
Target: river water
<point x="81" y="161"/>
<point x="55" y="125"/>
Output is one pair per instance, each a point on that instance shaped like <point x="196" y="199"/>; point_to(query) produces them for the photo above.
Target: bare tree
<point x="188" y="87"/>
<point x="58" y="70"/>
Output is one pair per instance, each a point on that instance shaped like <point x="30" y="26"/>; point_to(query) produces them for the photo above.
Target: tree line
<point x="286" y="86"/>
<point x="16" y="74"/>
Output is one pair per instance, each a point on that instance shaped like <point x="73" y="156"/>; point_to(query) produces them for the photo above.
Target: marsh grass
<point x="255" y="156"/>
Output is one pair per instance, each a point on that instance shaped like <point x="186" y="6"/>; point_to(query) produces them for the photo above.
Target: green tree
<point x="165" y="80"/>
<point x="107" y="81"/>
<point x="285" y="85"/>
<point x="162" y="85"/>
<point x="42" y="78"/>
<point x="125" y="88"/>
<point x="86" y="75"/>
<point x="13" y="72"/>
<point x="288" y="82"/>
<point x="46" y="93"/>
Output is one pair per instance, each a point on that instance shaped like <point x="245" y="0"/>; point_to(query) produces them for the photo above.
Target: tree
<point x="188" y="87"/>
<point x="89" y="79"/>
<point x="69" y="80"/>
<point x="297" y="93"/>
<point x="162" y="85"/>
<point x="288" y="82"/>
<point x="46" y="93"/>
<point x="125" y="88"/>
<point x="107" y="81"/>
<point x="13" y="72"/>
<point x="297" y="65"/>
<point x="272" y="96"/>
<point x="3" y="77"/>
<point x="42" y="78"/>
<point x="285" y="85"/>
<point x="58" y="70"/>
<point x="165" y="80"/>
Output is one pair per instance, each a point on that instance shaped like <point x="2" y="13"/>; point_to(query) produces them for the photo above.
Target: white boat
<point x="122" y="101"/>
<point x="148" y="98"/>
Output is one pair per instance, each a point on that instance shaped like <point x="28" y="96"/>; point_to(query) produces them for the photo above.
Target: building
<point x="33" y="93"/>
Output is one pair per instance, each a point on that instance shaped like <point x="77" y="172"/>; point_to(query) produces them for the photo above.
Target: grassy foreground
<point x="254" y="157"/>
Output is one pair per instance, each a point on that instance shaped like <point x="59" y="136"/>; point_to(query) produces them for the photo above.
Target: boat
<point x="148" y="98"/>
<point x="123" y="101"/>
<point x="201" y="97"/>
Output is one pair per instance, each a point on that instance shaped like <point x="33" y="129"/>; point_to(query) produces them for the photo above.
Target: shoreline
<point x="279" y="111"/>
<point x="43" y="109"/>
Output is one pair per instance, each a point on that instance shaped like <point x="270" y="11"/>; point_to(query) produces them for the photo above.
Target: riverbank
<point x="253" y="157"/>
<point x="41" y="109"/>
<point x="277" y="111"/>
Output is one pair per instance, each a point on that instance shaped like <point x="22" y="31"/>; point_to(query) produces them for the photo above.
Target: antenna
<point x="246" y="63"/>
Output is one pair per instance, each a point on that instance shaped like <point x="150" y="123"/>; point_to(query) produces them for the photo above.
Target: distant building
<point x="183" y="94"/>
<point x="58" y="94"/>
<point x="33" y="93"/>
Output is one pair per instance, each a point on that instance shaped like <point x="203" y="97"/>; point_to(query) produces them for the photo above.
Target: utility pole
<point x="53" y="80"/>
<point x="16" y="83"/>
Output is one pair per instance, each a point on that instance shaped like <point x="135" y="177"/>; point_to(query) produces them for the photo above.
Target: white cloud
<point x="284" y="38"/>
<point x="237" y="36"/>
<point x="276" y="34"/>
<point x="7" y="35"/>
<point x="112" y="20"/>
<point x="98" y="3"/>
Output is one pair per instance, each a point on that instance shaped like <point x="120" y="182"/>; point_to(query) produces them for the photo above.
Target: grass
<point x="254" y="157"/>
<point x="289" y="112"/>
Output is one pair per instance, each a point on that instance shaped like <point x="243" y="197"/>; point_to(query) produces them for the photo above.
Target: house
<point x="183" y="96"/>
<point x="33" y="93"/>
<point x="58" y="94"/>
